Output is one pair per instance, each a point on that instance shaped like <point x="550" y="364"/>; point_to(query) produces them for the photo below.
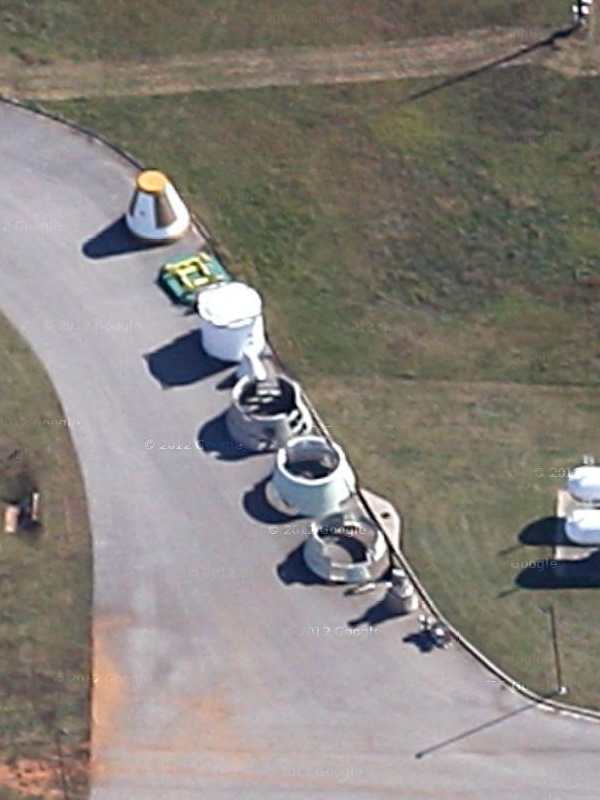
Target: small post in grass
<point x="560" y="686"/>
<point x="584" y="14"/>
<point x="35" y="507"/>
<point x="593" y="23"/>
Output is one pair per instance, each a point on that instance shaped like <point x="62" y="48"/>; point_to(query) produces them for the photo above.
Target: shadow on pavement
<point x="228" y="382"/>
<point x="294" y="570"/>
<point x="548" y="574"/>
<point x="115" y="240"/>
<point x="484" y="726"/>
<point x="258" y="507"/>
<point x="186" y="310"/>
<point x="182" y="362"/>
<point x="544" y="531"/>
<point x="420" y="639"/>
<point x="214" y="438"/>
<point x="375" y="615"/>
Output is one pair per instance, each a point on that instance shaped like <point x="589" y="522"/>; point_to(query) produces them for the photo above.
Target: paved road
<point x="220" y="675"/>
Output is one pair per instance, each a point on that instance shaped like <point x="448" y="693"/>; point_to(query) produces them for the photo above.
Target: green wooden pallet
<point x="184" y="278"/>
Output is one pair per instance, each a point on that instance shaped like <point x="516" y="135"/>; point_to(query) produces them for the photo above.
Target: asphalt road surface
<point x="222" y="673"/>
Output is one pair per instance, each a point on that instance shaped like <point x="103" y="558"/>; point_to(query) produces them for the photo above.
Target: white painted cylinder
<point x="582" y="526"/>
<point x="583" y="483"/>
<point x="401" y="597"/>
<point x="231" y="321"/>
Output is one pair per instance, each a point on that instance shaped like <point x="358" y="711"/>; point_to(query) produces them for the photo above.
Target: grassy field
<point x="431" y="275"/>
<point x="45" y="587"/>
<point x="122" y="29"/>
<point x="439" y="227"/>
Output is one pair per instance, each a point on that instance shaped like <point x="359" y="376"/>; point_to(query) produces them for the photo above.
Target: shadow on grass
<point x="507" y="592"/>
<point x="182" y="362"/>
<point x="547" y="574"/>
<point x="114" y="240"/>
<point x="214" y="438"/>
<point x="508" y="550"/>
<point x="547" y="41"/>
<point x="18" y="483"/>
<point x="293" y="569"/>
<point x="545" y="531"/>
<point x="31" y="532"/>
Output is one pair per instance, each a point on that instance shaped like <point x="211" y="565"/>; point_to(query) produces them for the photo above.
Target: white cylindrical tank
<point x="312" y="477"/>
<point x="582" y="526"/>
<point x="231" y="321"/>
<point x="583" y="483"/>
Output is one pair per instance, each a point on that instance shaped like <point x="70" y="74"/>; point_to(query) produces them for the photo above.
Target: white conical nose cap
<point x="156" y="213"/>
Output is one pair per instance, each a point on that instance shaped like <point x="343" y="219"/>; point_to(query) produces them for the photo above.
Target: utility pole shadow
<point x="547" y="41"/>
<point x="484" y="726"/>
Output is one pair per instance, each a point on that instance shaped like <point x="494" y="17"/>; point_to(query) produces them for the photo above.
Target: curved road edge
<point x="543" y="702"/>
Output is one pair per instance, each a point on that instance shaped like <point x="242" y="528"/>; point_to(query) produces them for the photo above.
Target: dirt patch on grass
<point x="257" y="68"/>
<point x="46" y="776"/>
<point x="30" y="778"/>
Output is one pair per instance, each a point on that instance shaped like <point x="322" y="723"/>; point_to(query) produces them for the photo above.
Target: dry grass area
<point x="47" y="779"/>
<point x="60" y="79"/>
<point x="579" y="57"/>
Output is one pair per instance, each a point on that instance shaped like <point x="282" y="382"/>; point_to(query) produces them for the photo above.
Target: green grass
<point x="409" y="233"/>
<point x="471" y="465"/>
<point x="84" y="29"/>
<point x="424" y="266"/>
<point x="45" y="576"/>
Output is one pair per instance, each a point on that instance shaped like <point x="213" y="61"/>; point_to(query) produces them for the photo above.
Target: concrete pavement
<point x="221" y="673"/>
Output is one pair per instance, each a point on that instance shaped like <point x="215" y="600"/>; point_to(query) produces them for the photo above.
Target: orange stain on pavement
<point x="109" y="687"/>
